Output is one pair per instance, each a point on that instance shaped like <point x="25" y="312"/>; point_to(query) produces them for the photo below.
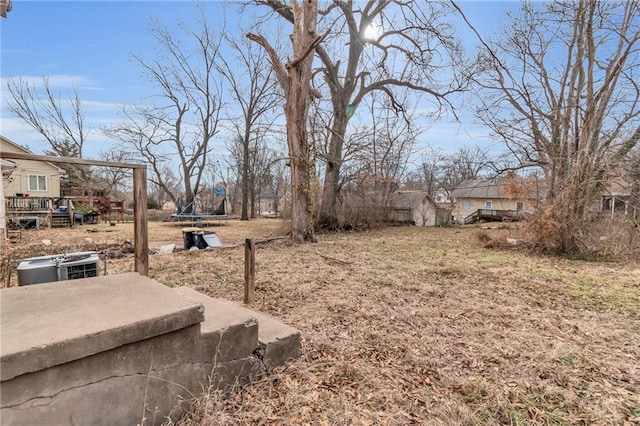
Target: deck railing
<point x="28" y="204"/>
<point x="489" y="214"/>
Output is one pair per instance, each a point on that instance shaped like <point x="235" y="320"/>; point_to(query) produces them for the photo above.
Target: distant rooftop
<point x="496" y="188"/>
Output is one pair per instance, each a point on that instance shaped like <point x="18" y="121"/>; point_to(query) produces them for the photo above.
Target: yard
<point x="412" y="325"/>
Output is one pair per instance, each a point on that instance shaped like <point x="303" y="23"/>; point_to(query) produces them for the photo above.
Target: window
<point x="468" y="204"/>
<point x="37" y="183"/>
<point x="519" y="206"/>
<point x="488" y="205"/>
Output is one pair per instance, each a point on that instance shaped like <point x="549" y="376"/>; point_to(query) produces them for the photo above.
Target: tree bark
<point x="328" y="208"/>
<point x="295" y="79"/>
<point x="297" y="113"/>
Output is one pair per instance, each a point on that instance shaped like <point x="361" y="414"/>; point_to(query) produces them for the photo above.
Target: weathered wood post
<point x="249" y="271"/>
<point x="140" y="228"/>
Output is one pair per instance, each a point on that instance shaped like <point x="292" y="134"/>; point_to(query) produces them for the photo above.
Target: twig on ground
<point x="342" y="262"/>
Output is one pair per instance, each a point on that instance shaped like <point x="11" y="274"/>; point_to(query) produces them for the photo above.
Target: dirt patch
<point x="423" y="325"/>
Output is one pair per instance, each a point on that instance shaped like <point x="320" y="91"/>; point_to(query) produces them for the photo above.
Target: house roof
<point x="479" y="188"/>
<point x="617" y="187"/>
<point x="26" y="151"/>
<point x="495" y="188"/>
<point x="409" y="200"/>
<point x="15" y="145"/>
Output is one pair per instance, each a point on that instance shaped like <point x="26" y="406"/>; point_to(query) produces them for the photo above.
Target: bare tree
<point x="431" y="170"/>
<point x="258" y="157"/>
<point x="632" y="169"/>
<point x="63" y="128"/>
<point x="383" y="45"/>
<point x="262" y="157"/>
<point x="274" y="179"/>
<point x="182" y="119"/>
<point x="295" y="79"/>
<point x="61" y="122"/>
<point x="378" y="166"/>
<point x="561" y="89"/>
<point x="465" y="163"/>
<point x="439" y="172"/>
<point x="378" y="46"/>
<point x="254" y="89"/>
<point x="115" y="179"/>
<point x="142" y="137"/>
<point x="168" y="190"/>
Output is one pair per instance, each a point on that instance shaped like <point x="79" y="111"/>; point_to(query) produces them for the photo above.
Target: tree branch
<point x="281" y="73"/>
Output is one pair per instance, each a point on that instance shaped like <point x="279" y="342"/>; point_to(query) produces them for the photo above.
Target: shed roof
<point x="410" y="199"/>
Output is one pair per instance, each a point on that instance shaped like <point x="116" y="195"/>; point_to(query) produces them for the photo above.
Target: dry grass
<point x="424" y="325"/>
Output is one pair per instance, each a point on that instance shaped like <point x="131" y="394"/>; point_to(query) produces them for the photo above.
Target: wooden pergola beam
<point x="67" y="160"/>
<point x="140" y="228"/>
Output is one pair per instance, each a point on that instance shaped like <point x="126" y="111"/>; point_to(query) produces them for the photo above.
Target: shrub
<point x="600" y="237"/>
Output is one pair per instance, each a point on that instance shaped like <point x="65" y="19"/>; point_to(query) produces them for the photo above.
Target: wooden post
<point x="249" y="271"/>
<point x="140" y="230"/>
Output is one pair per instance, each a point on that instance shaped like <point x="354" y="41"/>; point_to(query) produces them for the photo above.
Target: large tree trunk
<point x="189" y="196"/>
<point x="297" y="113"/>
<point x="328" y="209"/>
<point x="295" y="79"/>
<point x="302" y="170"/>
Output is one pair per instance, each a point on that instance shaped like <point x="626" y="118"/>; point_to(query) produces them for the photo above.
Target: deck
<point x="486" y="215"/>
<point x="34" y="212"/>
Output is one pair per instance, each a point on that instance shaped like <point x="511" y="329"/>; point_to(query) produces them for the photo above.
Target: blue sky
<point x="88" y="44"/>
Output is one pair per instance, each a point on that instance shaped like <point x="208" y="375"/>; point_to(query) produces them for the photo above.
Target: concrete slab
<point x="279" y="342"/>
<point x="227" y="333"/>
<point x="131" y="308"/>
<point x="219" y="314"/>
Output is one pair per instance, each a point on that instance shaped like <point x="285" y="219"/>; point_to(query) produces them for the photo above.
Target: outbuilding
<point x="416" y="208"/>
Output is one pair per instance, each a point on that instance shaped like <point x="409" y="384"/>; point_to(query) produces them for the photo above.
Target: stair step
<point x="60" y="221"/>
<point x="278" y="342"/>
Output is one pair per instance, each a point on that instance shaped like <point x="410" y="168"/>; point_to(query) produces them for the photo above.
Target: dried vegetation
<point x="424" y="325"/>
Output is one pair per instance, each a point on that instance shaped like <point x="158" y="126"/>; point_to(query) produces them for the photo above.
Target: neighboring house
<point x="416" y="207"/>
<point x="268" y="206"/>
<point x="31" y="188"/>
<point x="615" y="198"/>
<point x="443" y="197"/>
<point x="29" y="177"/>
<point x="502" y="197"/>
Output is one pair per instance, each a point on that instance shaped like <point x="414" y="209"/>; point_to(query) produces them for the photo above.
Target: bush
<point x="153" y="204"/>
<point x="358" y="214"/>
<point x="613" y="238"/>
<point x="600" y="237"/>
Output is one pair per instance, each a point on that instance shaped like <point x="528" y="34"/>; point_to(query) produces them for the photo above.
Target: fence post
<point x="140" y="230"/>
<point x="249" y="271"/>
